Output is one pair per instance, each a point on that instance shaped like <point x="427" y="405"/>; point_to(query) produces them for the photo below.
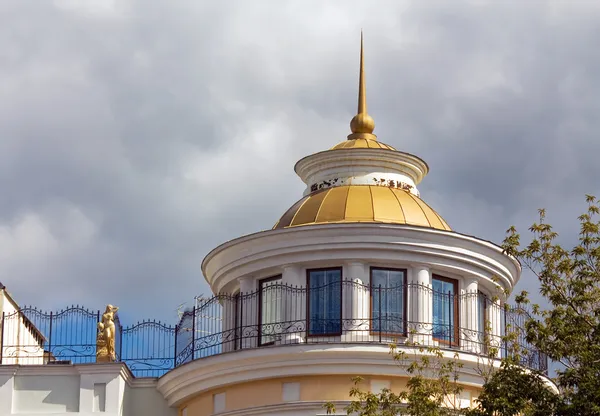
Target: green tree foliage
<point x="510" y="391"/>
<point x="567" y="330"/>
<point x="432" y="388"/>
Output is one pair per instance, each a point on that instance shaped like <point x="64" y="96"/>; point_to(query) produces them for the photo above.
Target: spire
<point x="362" y="124"/>
<point x="362" y="88"/>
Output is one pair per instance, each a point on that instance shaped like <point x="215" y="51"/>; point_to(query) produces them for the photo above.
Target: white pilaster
<point x="494" y="316"/>
<point x="294" y="305"/>
<point x="420" y="323"/>
<point x="355" y="297"/>
<point x="291" y="275"/>
<point x="471" y="337"/>
<point x="247" y="284"/>
<point x="248" y="312"/>
<point x="228" y="323"/>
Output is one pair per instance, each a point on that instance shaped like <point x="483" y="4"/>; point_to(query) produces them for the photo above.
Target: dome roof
<point x="362" y="203"/>
<point x="362" y="143"/>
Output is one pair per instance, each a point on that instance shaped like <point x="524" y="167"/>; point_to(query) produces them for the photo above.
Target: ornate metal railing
<point x="276" y="314"/>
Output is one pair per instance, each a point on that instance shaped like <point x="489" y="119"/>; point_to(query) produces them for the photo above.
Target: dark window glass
<point x="445" y="310"/>
<point x="482" y="313"/>
<point x="482" y="319"/>
<point x="324" y="302"/>
<point x="270" y="309"/>
<point x="387" y="300"/>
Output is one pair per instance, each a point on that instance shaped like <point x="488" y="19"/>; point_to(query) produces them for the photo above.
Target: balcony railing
<point x="277" y="314"/>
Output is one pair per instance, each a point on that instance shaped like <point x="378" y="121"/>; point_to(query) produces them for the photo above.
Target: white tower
<point x="358" y="261"/>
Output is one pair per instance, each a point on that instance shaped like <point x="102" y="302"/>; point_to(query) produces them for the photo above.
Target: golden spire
<point x="362" y="124"/>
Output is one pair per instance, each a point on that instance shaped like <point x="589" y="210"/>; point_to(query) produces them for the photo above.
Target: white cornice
<point x="218" y="371"/>
<point x="459" y="253"/>
<point x="47" y="370"/>
<point x="8" y="370"/>
<point x="369" y="159"/>
<point x="94" y="369"/>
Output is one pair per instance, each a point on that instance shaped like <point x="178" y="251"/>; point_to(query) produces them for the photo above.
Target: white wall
<point x="20" y="341"/>
<point x="81" y="389"/>
<point x="146" y="400"/>
<point x="45" y="394"/>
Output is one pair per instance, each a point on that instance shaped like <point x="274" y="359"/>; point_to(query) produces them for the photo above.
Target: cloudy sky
<point x="135" y="136"/>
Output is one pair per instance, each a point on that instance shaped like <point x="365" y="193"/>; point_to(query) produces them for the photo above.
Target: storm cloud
<point x="135" y="136"/>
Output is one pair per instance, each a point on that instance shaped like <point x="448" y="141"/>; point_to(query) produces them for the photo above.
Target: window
<point x="482" y="318"/>
<point x="270" y="309"/>
<point x="324" y="301"/>
<point x="481" y="313"/>
<point x="445" y="310"/>
<point x="388" y="300"/>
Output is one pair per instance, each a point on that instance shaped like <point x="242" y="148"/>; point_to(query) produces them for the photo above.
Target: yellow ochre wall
<point x="269" y="392"/>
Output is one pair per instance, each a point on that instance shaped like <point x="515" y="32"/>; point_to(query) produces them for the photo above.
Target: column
<point x="293" y="314"/>
<point x="248" y="313"/>
<point x="356" y="312"/>
<point x="228" y="316"/>
<point x="494" y="316"/>
<point x="420" y="323"/>
<point x="472" y="338"/>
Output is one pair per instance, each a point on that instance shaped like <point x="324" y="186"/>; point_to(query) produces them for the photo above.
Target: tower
<point x="358" y="262"/>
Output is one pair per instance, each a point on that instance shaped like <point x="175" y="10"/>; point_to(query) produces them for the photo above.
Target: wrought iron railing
<point x="276" y="314"/>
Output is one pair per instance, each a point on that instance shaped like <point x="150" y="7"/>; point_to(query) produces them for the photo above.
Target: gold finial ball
<point x="362" y="123"/>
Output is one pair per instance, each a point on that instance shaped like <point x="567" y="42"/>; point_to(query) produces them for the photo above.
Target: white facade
<point x="21" y="341"/>
<point x="81" y="389"/>
<point x="360" y="167"/>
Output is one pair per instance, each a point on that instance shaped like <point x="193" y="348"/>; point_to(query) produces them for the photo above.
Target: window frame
<point x="486" y="318"/>
<point x="308" y="290"/>
<point x="404" y="302"/>
<point x="261" y="282"/>
<point x="456" y="325"/>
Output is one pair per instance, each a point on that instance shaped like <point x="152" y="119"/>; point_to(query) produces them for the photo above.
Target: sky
<point x="137" y="135"/>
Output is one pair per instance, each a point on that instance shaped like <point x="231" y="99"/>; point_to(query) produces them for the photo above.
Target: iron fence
<point x="277" y="314"/>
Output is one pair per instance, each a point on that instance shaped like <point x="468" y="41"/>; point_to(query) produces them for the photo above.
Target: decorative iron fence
<point x="277" y="314"/>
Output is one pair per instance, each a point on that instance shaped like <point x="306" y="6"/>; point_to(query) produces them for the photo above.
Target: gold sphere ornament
<point x="362" y="123"/>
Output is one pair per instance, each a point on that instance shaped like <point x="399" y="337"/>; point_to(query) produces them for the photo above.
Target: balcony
<point x="349" y="312"/>
<point x="275" y="315"/>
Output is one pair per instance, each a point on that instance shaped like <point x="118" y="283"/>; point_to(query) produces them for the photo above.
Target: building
<point x="358" y="262"/>
<point x="22" y="342"/>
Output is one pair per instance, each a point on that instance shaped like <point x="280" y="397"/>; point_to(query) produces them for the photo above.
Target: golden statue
<point x="105" y="339"/>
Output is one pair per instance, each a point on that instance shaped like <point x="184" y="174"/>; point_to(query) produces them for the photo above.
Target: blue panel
<point x="387" y="306"/>
<point x="325" y="302"/>
<point x="444" y="319"/>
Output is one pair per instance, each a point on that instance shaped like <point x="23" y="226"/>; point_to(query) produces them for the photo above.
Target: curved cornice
<point x="380" y="242"/>
<point x="360" y="159"/>
<point x="205" y="374"/>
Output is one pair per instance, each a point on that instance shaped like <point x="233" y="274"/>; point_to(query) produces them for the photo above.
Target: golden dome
<point x="362" y="203"/>
<point x="362" y="144"/>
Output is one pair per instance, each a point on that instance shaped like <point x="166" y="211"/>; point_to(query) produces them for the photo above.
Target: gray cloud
<point x="138" y="135"/>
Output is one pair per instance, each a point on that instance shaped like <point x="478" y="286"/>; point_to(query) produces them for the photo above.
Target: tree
<point x="567" y="330"/>
<point x="510" y="391"/>
<point x="432" y="389"/>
